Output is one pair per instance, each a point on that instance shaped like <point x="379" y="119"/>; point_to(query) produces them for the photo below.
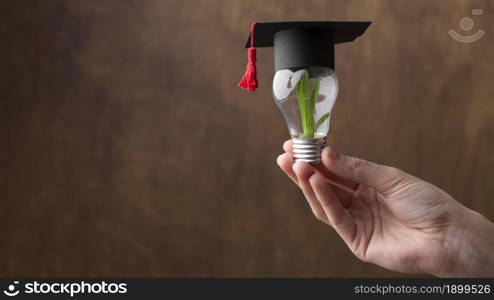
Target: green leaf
<point x="302" y="85"/>
<point x="315" y="91"/>
<point x="312" y="102"/>
<point x="301" y="92"/>
<point x="320" y="121"/>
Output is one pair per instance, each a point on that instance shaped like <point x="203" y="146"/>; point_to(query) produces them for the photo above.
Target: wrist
<point x="468" y="247"/>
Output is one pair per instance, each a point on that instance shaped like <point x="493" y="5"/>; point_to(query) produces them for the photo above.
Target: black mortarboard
<point x="298" y="44"/>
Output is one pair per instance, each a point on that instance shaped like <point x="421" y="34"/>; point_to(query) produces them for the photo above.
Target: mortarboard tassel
<point x="249" y="81"/>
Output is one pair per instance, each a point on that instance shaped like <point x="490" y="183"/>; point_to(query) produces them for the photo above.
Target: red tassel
<point x="249" y="81"/>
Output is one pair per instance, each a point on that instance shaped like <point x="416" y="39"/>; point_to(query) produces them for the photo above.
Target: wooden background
<point x="127" y="150"/>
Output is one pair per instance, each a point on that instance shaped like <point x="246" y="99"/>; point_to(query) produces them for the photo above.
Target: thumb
<point x="380" y="178"/>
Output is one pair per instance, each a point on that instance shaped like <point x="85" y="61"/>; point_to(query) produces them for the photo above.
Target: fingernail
<point x="333" y="154"/>
<point x="278" y="160"/>
<point x="285" y="145"/>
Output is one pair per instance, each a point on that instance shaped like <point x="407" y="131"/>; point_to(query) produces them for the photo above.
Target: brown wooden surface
<point x="127" y="150"/>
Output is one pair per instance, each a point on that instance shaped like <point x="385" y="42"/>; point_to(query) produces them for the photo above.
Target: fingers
<point x="288" y="146"/>
<point x="285" y="161"/>
<point x="342" y="182"/>
<point x="381" y="178"/>
<point x="336" y="214"/>
<point x="303" y="172"/>
<point x="323" y="201"/>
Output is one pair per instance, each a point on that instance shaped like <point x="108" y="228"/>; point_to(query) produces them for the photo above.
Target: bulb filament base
<point x="308" y="150"/>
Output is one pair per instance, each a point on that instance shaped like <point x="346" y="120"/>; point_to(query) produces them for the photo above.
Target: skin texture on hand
<point x="394" y="219"/>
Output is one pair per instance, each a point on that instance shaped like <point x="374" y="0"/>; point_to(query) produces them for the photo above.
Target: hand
<point x="395" y="220"/>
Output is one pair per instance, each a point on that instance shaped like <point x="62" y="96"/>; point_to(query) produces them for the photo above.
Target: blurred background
<point x="128" y="150"/>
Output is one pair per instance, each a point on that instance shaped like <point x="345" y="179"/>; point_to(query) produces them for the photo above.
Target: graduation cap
<point x="298" y="45"/>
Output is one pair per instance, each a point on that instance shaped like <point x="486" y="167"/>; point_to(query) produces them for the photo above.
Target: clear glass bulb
<point x="306" y="98"/>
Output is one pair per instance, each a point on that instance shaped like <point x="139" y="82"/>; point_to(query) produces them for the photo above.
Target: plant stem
<point x="307" y="103"/>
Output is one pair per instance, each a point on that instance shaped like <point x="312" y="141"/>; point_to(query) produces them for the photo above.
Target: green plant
<point x="307" y="98"/>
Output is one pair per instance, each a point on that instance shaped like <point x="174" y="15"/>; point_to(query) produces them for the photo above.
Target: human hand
<point x="394" y="219"/>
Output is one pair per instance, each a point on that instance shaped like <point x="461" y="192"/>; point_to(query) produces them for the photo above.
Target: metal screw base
<point x="308" y="150"/>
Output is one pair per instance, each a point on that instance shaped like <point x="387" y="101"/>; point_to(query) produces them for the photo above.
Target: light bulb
<point x="306" y="97"/>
